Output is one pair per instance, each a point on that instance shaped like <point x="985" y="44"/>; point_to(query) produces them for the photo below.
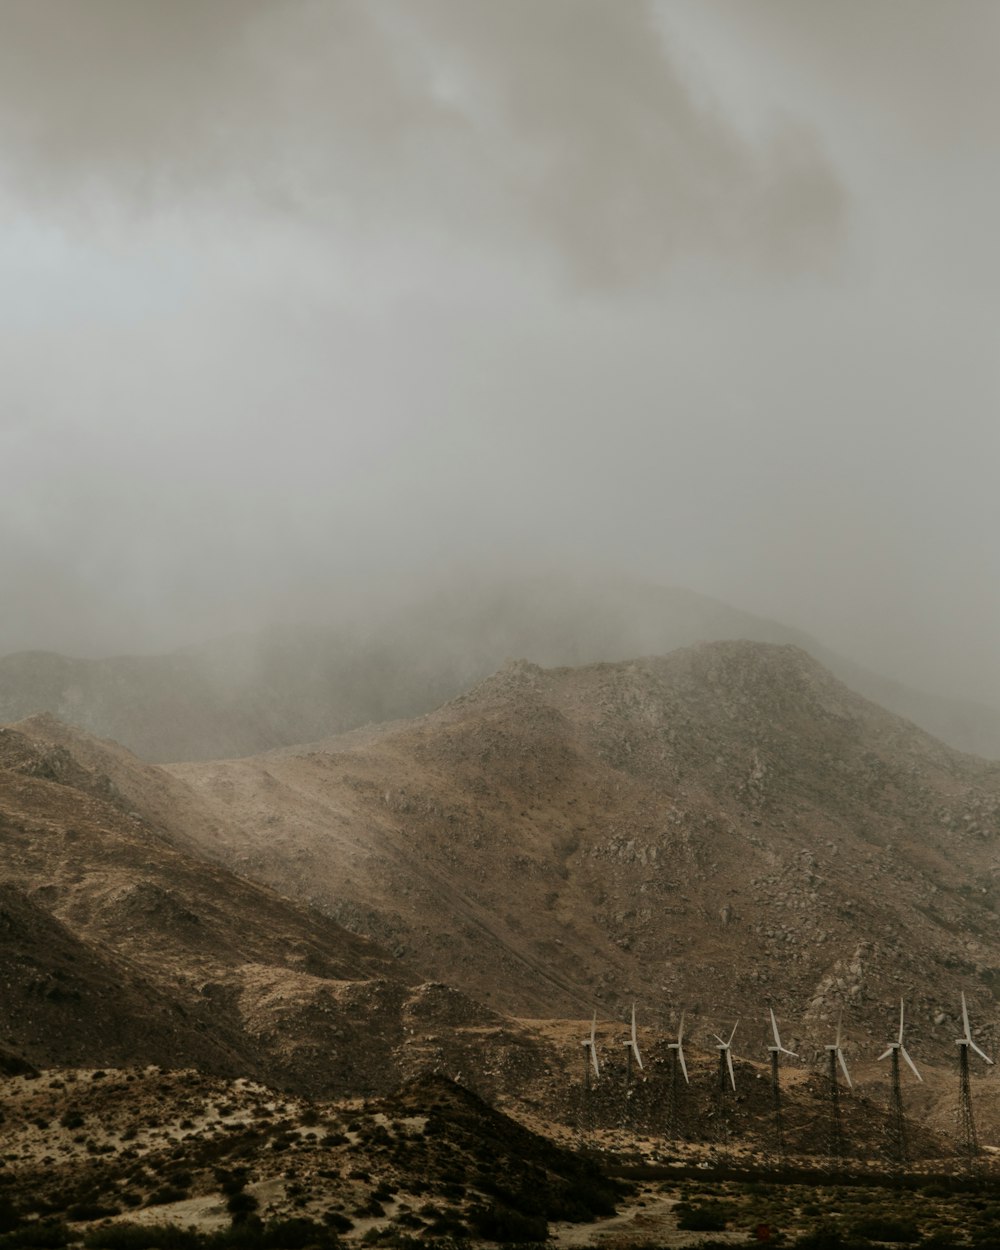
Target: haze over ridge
<point x="302" y="301"/>
<point x="258" y="690"/>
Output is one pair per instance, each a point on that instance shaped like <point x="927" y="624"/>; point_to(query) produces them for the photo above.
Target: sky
<point x="303" y="300"/>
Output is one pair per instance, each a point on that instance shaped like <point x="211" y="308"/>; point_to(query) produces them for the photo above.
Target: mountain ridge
<point x="250" y="693"/>
<point x="616" y="822"/>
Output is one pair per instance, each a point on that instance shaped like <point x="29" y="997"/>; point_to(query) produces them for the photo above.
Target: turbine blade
<point x="786" y="1051"/>
<point x="843" y="1068"/>
<point x="913" y="1066"/>
<point x="981" y="1053"/>
<point x="729" y="1065"/>
<point x="633" y="1024"/>
<point x="593" y="1058"/>
<point x="965" y="1019"/>
<point x="680" y="1056"/>
<point x="774" y="1030"/>
<point x="884" y="1055"/>
<point x="638" y="1057"/>
<point x="901" y="1022"/>
<point x="840" y="1021"/>
<point x="680" y="1030"/>
<point x="719" y="1039"/>
<point x="733" y="1034"/>
<point x="593" y="1030"/>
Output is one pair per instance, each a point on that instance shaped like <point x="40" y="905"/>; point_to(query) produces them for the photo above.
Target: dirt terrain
<point x="100" y="1154"/>
<point x="151" y="1147"/>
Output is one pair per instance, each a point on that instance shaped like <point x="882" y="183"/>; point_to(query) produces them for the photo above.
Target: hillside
<point x="713" y="830"/>
<point x="248" y="694"/>
<point x="122" y="946"/>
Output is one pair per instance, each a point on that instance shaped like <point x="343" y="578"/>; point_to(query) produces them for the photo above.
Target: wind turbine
<point x="676" y="1061"/>
<point x="631" y="1051"/>
<point x="835" y="1056"/>
<point x="774" y="1051"/>
<point x="726" y="1059"/>
<point x="897" y="1124"/>
<point x="967" y="1123"/>
<point x="725" y="1065"/>
<point x="589" y="1045"/>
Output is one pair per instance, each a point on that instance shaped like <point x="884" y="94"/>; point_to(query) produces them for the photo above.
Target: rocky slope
<point x="715" y="830"/>
<point x="249" y="694"/>
<point x="120" y="945"/>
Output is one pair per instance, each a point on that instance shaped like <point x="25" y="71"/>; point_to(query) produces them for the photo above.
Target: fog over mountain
<point x="260" y="689"/>
<point x="310" y="305"/>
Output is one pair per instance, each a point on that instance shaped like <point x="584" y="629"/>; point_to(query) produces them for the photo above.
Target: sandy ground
<point x="648" y="1218"/>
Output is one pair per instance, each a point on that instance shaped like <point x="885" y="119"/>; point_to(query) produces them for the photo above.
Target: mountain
<point x="122" y="944"/>
<point x="547" y="841"/>
<point x="714" y="830"/>
<point x="248" y="694"/>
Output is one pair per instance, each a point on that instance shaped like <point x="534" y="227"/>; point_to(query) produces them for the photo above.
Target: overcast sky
<point x="300" y="297"/>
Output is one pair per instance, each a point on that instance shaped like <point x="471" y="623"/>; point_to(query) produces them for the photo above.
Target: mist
<point x="313" y="306"/>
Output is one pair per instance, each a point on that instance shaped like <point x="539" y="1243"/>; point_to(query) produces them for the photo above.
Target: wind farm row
<point x="836" y="1068"/>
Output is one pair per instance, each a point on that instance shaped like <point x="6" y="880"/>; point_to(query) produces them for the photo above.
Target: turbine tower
<point x="967" y="1125"/>
<point x="774" y="1051"/>
<point x="835" y="1058"/>
<point x="897" y="1123"/>
<point x="673" y="1090"/>
<point x="589" y="1045"/>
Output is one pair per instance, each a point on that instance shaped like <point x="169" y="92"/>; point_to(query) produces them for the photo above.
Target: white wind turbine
<point x="774" y="1051"/>
<point x="967" y="1039"/>
<point x="677" y="1051"/>
<point x="966" y="1122"/>
<point x="589" y="1045"/>
<point x="897" y="1123"/>
<point x="631" y="1051"/>
<point x="835" y="1056"/>
<point x="726" y="1058"/>
<point x="896" y="1048"/>
<point x="777" y="1048"/>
